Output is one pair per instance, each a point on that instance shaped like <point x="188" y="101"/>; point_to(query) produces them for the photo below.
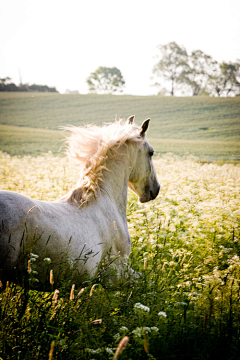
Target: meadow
<point x="186" y="244"/>
<point x="202" y="126"/>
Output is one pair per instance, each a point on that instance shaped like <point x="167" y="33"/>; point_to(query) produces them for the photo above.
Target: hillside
<point x="30" y="122"/>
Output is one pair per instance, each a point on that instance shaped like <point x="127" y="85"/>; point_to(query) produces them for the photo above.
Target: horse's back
<point x="14" y="208"/>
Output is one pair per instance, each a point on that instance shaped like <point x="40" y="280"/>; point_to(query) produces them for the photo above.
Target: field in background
<point x="204" y="127"/>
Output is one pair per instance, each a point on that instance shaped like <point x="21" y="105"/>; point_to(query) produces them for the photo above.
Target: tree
<point x="215" y="82"/>
<point x="5" y="85"/>
<point x="171" y="64"/>
<point x="5" y="80"/>
<point x="225" y="80"/>
<point x="196" y="73"/>
<point x="106" y="80"/>
<point x="231" y="74"/>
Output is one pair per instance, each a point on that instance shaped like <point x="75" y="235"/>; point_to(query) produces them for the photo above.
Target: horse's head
<point x="143" y="180"/>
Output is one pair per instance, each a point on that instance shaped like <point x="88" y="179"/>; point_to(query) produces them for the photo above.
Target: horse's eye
<point x="151" y="153"/>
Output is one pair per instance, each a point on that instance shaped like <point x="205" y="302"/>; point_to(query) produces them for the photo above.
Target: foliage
<point x="186" y="244"/>
<point x="172" y="64"/>
<point x="196" y="74"/>
<point x="231" y="75"/>
<point x="225" y="79"/>
<point x="5" y="85"/>
<point x="198" y="71"/>
<point x="106" y="80"/>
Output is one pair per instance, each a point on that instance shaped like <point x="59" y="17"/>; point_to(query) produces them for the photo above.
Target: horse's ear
<point x="144" y="127"/>
<point x="130" y="120"/>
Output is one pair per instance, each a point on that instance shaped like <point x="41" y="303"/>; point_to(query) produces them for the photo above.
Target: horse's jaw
<point x="149" y="194"/>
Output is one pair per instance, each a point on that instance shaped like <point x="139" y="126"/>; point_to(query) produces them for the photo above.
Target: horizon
<point x="59" y="44"/>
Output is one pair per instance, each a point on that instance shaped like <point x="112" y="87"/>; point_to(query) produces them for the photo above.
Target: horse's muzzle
<point x="154" y="194"/>
<point x="150" y="195"/>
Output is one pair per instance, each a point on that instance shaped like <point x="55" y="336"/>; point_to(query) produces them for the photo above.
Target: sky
<point x="59" y="43"/>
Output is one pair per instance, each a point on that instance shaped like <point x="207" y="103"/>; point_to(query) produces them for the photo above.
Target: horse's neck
<point x="115" y="182"/>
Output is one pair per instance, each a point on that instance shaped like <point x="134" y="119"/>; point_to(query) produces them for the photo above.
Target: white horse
<point x="92" y="218"/>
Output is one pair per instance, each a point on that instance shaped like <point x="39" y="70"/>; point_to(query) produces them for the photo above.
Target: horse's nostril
<point x="151" y="195"/>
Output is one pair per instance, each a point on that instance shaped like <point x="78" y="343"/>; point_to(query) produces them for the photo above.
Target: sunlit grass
<point x="185" y="243"/>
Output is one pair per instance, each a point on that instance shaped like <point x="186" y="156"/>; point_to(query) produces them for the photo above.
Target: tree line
<point x="7" y="85"/>
<point x="197" y="72"/>
<point x="193" y="74"/>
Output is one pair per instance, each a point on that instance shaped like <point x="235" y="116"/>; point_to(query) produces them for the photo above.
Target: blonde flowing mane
<point x="92" y="146"/>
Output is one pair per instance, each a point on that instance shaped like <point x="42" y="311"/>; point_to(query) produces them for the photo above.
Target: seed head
<point x="123" y="343"/>
<point x="72" y="292"/>
<point x="51" y="350"/>
<point x="29" y="267"/>
<point x="51" y="277"/>
<point x="30" y="210"/>
<point x="92" y="288"/>
<point x="145" y="344"/>
<point x="55" y="295"/>
<point x="80" y="292"/>
<point x="145" y="264"/>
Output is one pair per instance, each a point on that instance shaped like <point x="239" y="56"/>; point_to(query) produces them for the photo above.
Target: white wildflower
<point x="181" y="303"/>
<point x="71" y="263"/>
<point x="93" y="351"/>
<point x="137" y="332"/>
<point x="154" y="329"/>
<point x="142" y="307"/>
<point x="123" y="328"/>
<point x="235" y="258"/>
<point x="117" y="337"/>
<point x="140" y="331"/>
<point x="147" y="329"/>
<point x="47" y="260"/>
<point x="109" y="351"/>
<point x="33" y="256"/>
<point x="162" y="313"/>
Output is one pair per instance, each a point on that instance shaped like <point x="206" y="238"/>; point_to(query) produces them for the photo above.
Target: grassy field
<point x="29" y="122"/>
<point x="187" y="245"/>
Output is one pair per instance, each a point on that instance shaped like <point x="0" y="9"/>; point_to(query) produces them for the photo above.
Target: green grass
<point x="186" y="243"/>
<point x="201" y="126"/>
<point x="16" y="140"/>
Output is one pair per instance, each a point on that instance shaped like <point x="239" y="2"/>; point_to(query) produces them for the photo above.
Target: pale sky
<point x="59" y="43"/>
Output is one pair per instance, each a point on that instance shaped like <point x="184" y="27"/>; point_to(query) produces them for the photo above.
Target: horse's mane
<point x="92" y="146"/>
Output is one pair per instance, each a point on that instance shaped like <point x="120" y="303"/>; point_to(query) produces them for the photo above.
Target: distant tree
<point x="5" y="80"/>
<point x="231" y="75"/>
<point x="195" y="75"/>
<point x="41" y="88"/>
<point x="225" y="80"/>
<point x="5" y="85"/>
<point x="171" y="65"/>
<point x="106" y="80"/>
<point x="215" y="82"/>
